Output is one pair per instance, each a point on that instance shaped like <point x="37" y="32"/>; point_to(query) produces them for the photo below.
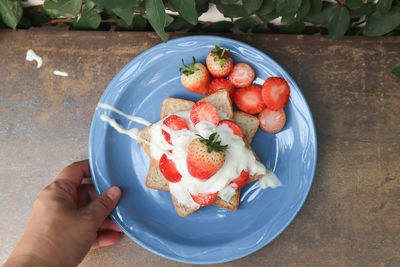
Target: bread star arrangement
<point x="200" y="151"/>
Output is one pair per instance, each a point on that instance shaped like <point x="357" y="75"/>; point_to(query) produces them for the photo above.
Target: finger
<point x="109" y="225"/>
<point x="102" y="205"/>
<point x="106" y="239"/>
<point x="75" y="173"/>
<point x="85" y="193"/>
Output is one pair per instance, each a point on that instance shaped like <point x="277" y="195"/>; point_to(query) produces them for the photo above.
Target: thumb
<point x="103" y="204"/>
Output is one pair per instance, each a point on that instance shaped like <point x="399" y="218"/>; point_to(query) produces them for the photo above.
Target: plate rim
<point x="178" y="258"/>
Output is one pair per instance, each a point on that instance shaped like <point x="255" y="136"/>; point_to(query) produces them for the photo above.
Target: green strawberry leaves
<point x="212" y="143"/>
<point x="221" y="55"/>
<point x="188" y="70"/>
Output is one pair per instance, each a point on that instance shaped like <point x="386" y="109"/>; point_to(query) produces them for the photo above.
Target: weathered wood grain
<point x="351" y="217"/>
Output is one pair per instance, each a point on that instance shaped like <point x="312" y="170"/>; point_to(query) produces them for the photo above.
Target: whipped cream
<point x="238" y="157"/>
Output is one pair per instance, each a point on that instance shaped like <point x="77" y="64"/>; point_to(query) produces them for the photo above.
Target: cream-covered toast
<point x="188" y="186"/>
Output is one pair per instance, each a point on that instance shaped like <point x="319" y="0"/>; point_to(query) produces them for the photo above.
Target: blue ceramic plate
<point x="212" y="234"/>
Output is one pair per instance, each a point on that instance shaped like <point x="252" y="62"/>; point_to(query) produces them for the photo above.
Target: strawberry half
<point x="175" y="123"/>
<point x="219" y="62"/>
<point x="275" y="92"/>
<point x="234" y="127"/>
<point x="168" y="169"/>
<point x="195" y="77"/>
<point x="240" y="181"/>
<point x="272" y="121"/>
<point x="242" y="75"/>
<point x="203" y="111"/>
<point x="221" y="84"/>
<point x="205" y="199"/>
<point x="249" y="99"/>
<point x="205" y="156"/>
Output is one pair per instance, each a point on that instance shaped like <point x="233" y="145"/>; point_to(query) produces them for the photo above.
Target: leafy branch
<point x="335" y="18"/>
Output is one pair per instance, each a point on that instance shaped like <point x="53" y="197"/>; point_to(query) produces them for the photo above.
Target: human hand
<point x="68" y="219"/>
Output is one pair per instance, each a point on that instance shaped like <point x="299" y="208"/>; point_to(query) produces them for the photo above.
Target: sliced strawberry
<point x="240" y="181"/>
<point x="242" y="75"/>
<point x="205" y="199"/>
<point x="219" y="84"/>
<point x="168" y="169"/>
<point x="275" y="92"/>
<point x="249" y="99"/>
<point x="235" y="128"/>
<point x="272" y="121"/>
<point x="203" y="111"/>
<point x="175" y="123"/>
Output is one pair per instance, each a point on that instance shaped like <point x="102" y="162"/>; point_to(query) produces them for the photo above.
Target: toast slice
<point x="222" y="102"/>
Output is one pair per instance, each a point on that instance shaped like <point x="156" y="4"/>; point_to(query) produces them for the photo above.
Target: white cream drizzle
<point x="31" y="56"/>
<point x="60" y="73"/>
<point x="238" y="156"/>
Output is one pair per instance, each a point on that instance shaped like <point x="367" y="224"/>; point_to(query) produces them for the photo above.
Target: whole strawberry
<point x="205" y="156"/>
<point x="195" y="77"/>
<point x="219" y="62"/>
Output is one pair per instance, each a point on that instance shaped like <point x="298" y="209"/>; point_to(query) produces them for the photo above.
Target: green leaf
<point x="287" y="7"/>
<point x="229" y="2"/>
<point x="270" y="16"/>
<point x="89" y="20"/>
<point x="244" y="24"/>
<point x="125" y="14"/>
<point x="155" y="11"/>
<point x="220" y="26"/>
<point x="38" y="16"/>
<point x="321" y="17"/>
<point x="316" y="6"/>
<point x="232" y="11"/>
<point x="365" y="10"/>
<point x="168" y="20"/>
<point x="117" y="3"/>
<point x="261" y="28"/>
<point x="252" y="6"/>
<point x="71" y="7"/>
<point x="384" y="6"/>
<point x="304" y="9"/>
<point x="11" y="12"/>
<point x="187" y="9"/>
<point x="396" y="70"/>
<point x="378" y="24"/>
<point x="339" y="22"/>
<point x="295" y="28"/>
<point x="266" y="7"/>
<point x="139" y="23"/>
<point x="178" y="24"/>
<point x="201" y="6"/>
<point x="89" y="4"/>
<point x="354" y="4"/>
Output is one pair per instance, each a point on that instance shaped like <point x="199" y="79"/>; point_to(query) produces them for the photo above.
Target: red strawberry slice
<point x="175" y="123"/>
<point x="272" y="121"/>
<point x="235" y="128"/>
<point x="240" y="181"/>
<point x="275" y="92"/>
<point x="168" y="169"/>
<point x="242" y="75"/>
<point x="205" y="199"/>
<point x="219" y="84"/>
<point x="249" y="99"/>
<point x="203" y="111"/>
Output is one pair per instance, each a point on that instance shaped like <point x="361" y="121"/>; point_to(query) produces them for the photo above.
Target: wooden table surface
<point x="352" y="214"/>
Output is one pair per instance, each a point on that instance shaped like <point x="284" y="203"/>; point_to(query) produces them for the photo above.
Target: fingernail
<point x="113" y="193"/>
